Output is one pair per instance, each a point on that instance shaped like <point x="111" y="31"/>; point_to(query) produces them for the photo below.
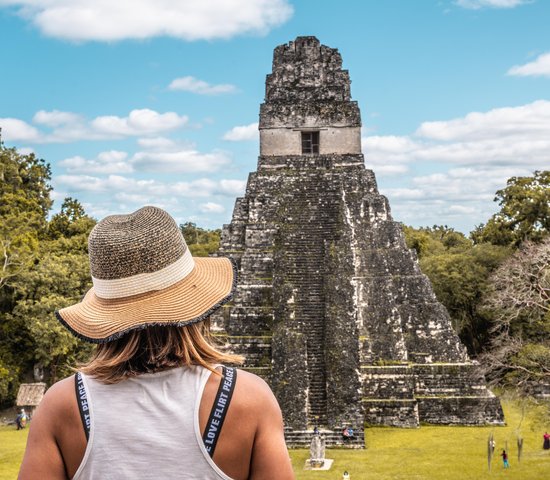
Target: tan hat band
<point x="145" y="282"/>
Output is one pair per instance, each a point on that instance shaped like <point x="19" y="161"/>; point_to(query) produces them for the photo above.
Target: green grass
<point x="12" y="447"/>
<point x="434" y="453"/>
<point x="440" y="453"/>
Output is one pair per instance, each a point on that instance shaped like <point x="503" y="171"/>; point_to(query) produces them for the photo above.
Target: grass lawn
<point x="438" y="453"/>
<point x="12" y="446"/>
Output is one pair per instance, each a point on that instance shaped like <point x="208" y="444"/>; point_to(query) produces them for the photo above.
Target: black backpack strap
<point x="219" y="409"/>
<point x="82" y="400"/>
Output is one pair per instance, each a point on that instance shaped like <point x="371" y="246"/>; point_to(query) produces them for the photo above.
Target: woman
<point x="152" y="402"/>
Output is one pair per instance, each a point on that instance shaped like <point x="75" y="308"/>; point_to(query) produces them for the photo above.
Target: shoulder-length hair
<point x="154" y="349"/>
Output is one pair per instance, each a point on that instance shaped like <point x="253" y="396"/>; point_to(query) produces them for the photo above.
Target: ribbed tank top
<point x="147" y="427"/>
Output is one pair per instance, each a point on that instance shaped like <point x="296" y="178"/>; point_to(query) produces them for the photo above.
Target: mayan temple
<point x="331" y="306"/>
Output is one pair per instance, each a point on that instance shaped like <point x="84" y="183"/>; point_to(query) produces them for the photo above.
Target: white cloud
<point x="102" y="20"/>
<point x="66" y="127"/>
<point x="14" y="130"/>
<point x="461" y="209"/>
<point x="140" y="191"/>
<point x="242" y="132"/>
<point x="404" y="193"/>
<point x="211" y="207"/>
<point x="111" y="184"/>
<point x="388" y="155"/>
<point x="194" y="85"/>
<point x="25" y="150"/>
<point x="232" y="188"/>
<point x="531" y="121"/>
<point x="473" y="157"/>
<point x="156" y="143"/>
<point x="112" y="161"/>
<point x="138" y="122"/>
<point x="159" y="155"/>
<point x="55" y="118"/>
<point x="180" y="161"/>
<point x="538" y="68"/>
<point x="477" y="4"/>
<point x="133" y="198"/>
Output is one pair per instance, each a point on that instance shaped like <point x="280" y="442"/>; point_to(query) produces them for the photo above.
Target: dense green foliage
<point x="45" y="268"/>
<point x="24" y="204"/>
<point x="201" y="242"/>
<point x="459" y="272"/>
<point x="524" y="212"/>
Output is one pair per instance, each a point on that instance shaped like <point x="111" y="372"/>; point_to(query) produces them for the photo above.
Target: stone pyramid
<point x="331" y="306"/>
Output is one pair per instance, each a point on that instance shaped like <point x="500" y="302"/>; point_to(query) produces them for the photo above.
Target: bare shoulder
<point x="63" y="388"/>
<point x="60" y="396"/>
<point x="255" y="391"/>
<point x="59" y="402"/>
<point x="253" y="382"/>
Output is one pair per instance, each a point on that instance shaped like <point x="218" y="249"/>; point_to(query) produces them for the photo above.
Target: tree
<point x="524" y="212"/>
<point x="24" y="204"/>
<point x="201" y="242"/>
<point x="459" y="272"/>
<point x="43" y="267"/>
<point x="71" y="220"/>
<point x="59" y="279"/>
<point x="427" y="241"/>
<point x="519" y="300"/>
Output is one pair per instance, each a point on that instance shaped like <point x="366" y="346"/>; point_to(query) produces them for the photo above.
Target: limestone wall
<point x="288" y="141"/>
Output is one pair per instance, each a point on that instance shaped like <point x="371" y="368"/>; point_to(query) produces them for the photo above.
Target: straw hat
<point x="143" y="274"/>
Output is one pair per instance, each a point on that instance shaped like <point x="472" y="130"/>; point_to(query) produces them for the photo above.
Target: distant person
<point x="346" y="476"/>
<point x="347" y="434"/>
<point x="21" y="419"/>
<point x="154" y="401"/>
<point x="504" y="456"/>
<point x="316" y="431"/>
<point x="546" y="443"/>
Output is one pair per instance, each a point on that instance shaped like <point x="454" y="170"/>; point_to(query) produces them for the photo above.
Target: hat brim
<point x="193" y="299"/>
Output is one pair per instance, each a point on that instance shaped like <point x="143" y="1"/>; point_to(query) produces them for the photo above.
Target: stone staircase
<point x="333" y="438"/>
<point x="309" y="227"/>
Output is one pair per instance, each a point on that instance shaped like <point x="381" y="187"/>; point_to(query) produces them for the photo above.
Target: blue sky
<point x="156" y="101"/>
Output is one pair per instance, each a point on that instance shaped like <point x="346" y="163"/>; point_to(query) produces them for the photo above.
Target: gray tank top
<point x="147" y="427"/>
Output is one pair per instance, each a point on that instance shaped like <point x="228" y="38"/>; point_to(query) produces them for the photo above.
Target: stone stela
<point x="331" y="306"/>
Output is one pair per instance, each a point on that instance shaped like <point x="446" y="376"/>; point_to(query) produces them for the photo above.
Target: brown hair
<point x="154" y="349"/>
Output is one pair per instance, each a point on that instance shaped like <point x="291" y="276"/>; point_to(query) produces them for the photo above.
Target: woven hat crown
<point x="146" y="241"/>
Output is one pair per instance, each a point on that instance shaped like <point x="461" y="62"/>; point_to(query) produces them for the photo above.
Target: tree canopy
<point x="24" y="205"/>
<point x="44" y="267"/>
<point x="202" y="242"/>
<point x="524" y="212"/>
<point x="459" y="272"/>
